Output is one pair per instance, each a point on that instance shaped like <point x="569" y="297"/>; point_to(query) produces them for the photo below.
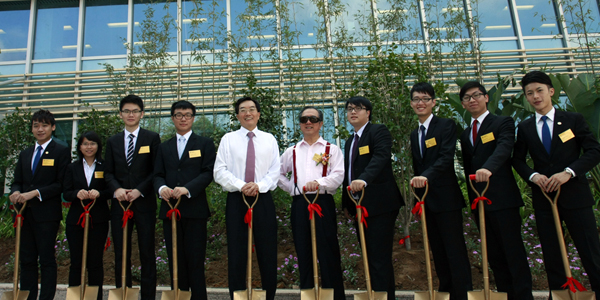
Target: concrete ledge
<point x="223" y="293"/>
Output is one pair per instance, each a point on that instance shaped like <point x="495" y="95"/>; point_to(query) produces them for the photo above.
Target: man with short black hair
<point x="130" y="157"/>
<point x="563" y="150"/>
<point x="368" y="165"/>
<point x="486" y="149"/>
<point x="433" y="146"/>
<point x="38" y="182"/>
<point x="316" y="165"/>
<point x="248" y="163"/>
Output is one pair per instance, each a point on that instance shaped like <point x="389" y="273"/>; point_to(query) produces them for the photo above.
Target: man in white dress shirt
<point x="248" y="163"/>
<point x="315" y="164"/>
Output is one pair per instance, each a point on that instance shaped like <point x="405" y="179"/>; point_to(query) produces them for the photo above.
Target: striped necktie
<point x="130" y="149"/>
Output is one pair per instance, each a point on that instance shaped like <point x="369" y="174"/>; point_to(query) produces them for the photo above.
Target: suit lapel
<point x="537" y="142"/>
<point x="80" y="174"/>
<point x="188" y="147"/>
<point x="138" y="145"/>
<point x="484" y="126"/>
<point x="46" y="153"/>
<point x="120" y="147"/>
<point x="415" y="145"/>
<point x="361" y="142"/>
<point x="430" y="133"/>
<point x="557" y="130"/>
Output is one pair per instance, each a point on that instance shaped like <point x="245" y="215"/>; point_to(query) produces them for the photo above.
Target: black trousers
<point x="447" y="242"/>
<point x="328" y="249"/>
<point x="506" y="253"/>
<point x="264" y="230"/>
<point x="191" y="254"/>
<point x="37" y="241"/>
<point x="584" y="231"/>
<point x="97" y="234"/>
<point x="379" y="239"/>
<point x="145" y="223"/>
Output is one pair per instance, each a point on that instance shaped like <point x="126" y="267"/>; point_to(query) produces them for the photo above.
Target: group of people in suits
<point x="248" y="167"/>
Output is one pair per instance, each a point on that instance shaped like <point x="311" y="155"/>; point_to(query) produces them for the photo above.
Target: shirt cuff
<point x="39" y="195"/>
<point x="531" y="176"/>
<point x="160" y="189"/>
<point x="571" y="170"/>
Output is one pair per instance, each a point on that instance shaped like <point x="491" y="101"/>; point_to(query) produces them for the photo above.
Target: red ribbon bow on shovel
<point x="177" y="214"/>
<point x="474" y="205"/>
<point x="248" y="217"/>
<point x="364" y="214"/>
<point x="128" y="214"/>
<point x="418" y="209"/>
<point x="313" y="207"/>
<point x="572" y="283"/>
<point x="86" y="211"/>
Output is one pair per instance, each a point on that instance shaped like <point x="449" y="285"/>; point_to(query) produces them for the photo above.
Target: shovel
<point x="16" y="294"/>
<point x="573" y="289"/>
<point x="83" y="291"/>
<point x="430" y="294"/>
<point x="314" y="293"/>
<point x="124" y="293"/>
<point x="175" y="293"/>
<point x="249" y="294"/>
<point x="370" y="294"/>
<point x="486" y="293"/>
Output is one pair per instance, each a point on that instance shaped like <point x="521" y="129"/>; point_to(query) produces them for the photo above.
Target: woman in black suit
<point x="84" y="181"/>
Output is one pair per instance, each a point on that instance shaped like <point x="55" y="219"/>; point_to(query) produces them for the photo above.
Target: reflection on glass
<point x="537" y="17"/>
<point x="579" y="12"/>
<point x="399" y="21"/>
<point x="494" y="18"/>
<point x="56" y="29"/>
<point x="498" y="45"/>
<point x="204" y="25"/>
<point x="352" y="24"/>
<point x="105" y="27"/>
<point x="300" y="22"/>
<point x="14" y="26"/>
<point x="63" y="66"/>
<point x="445" y="19"/>
<point x="12" y="69"/>
<point x="160" y="21"/>
<point x="543" y="44"/>
<point x="253" y="26"/>
<point x="98" y="64"/>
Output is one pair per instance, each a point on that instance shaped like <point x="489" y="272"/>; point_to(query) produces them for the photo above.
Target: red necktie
<point x="475" y="131"/>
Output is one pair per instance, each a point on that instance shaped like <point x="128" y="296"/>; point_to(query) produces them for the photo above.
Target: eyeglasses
<point x="128" y="112"/>
<point x="417" y="100"/>
<point x="475" y="96"/>
<point x="355" y="109"/>
<point x="89" y="144"/>
<point x="312" y="119"/>
<point x="180" y="116"/>
<point x="250" y="110"/>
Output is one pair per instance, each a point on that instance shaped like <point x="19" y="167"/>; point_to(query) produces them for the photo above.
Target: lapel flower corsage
<point x="322" y="158"/>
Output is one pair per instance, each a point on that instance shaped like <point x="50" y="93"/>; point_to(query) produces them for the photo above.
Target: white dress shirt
<point x="44" y="146"/>
<point x="230" y="164"/>
<point x="89" y="171"/>
<point x="136" y="134"/>
<point x="479" y="122"/>
<point x="426" y="124"/>
<point x="308" y="170"/>
<point x="550" y="121"/>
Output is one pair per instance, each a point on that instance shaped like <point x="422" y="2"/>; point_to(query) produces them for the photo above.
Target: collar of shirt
<point x="360" y="131"/>
<point x="43" y="146"/>
<point x="319" y="141"/>
<point x="480" y="119"/>
<point x="89" y="170"/>
<point x="244" y="132"/>
<point x="550" y="115"/>
<point x="426" y="123"/>
<point x="135" y="132"/>
<point x="185" y="136"/>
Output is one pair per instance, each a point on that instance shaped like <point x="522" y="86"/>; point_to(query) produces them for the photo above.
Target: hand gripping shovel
<point x="430" y="294"/>
<point x="83" y="291"/>
<point x="175" y="293"/>
<point x="573" y="290"/>
<point x="16" y="294"/>
<point x="370" y="294"/>
<point x="315" y="293"/>
<point x="124" y="293"/>
<point x="486" y="293"/>
<point x="249" y="293"/>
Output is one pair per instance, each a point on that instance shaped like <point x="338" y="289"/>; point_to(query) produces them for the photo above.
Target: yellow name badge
<point x="195" y="153"/>
<point x="567" y="135"/>
<point x="487" y="137"/>
<point x="363" y="150"/>
<point x="48" y="162"/>
<point x="99" y="174"/>
<point x="144" y="149"/>
<point x="430" y="142"/>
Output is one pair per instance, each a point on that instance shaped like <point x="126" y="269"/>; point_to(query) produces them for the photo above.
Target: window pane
<point x="105" y="27"/>
<point x="543" y="44"/>
<point x="300" y="22"/>
<point x="204" y="25"/>
<point x="398" y="21"/>
<point x="97" y="64"/>
<point x="12" y="69"/>
<point x="67" y="66"/>
<point x="253" y="23"/>
<point x="446" y="19"/>
<point x="537" y="17"/>
<point x="56" y="29"/>
<point x="352" y="22"/>
<point x="14" y="27"/>
<point x="578" y="12"/>
<point x="494" y="18"/>
<point x="160" y="23"/>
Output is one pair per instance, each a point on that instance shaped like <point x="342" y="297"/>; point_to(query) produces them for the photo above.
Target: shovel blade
<point x="568" y="295"/>
<point x="171" y="295"/>
<point x="21" y="295"/>
<point x="90" y="293"/>
<point x="480" y="295"/>
<point x="325" y="294"/>
<point x="308" y="294"/>
<point x="376" y="296"/>
<point x="256" y="295"/>
<point x="436" y="296"/>
<point x="117" y="294"/>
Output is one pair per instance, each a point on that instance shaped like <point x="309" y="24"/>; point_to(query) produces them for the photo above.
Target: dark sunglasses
<point x="312" y="119"/>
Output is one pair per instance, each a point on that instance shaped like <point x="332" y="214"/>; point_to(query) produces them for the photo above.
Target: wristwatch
<point x="568" y="170"/>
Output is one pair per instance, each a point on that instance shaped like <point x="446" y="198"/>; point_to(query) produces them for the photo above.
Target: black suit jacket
<point x="194" y="173"/>
<point x="575" y="193"/>
<point x="438" y="165"/>
<point x="375" y="168"/>
<point x="47" y="179"/>
<point x="139" y="174"/>
<point x="75" y="181"/>
<point x="495" y="156"/>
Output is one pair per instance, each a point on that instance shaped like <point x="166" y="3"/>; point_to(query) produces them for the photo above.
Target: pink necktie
<point x="250" y="159"/>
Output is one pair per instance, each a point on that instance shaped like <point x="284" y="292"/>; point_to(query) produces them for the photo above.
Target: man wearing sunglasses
<point x="368" y="164"/>
<point x="317" y="166"/>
